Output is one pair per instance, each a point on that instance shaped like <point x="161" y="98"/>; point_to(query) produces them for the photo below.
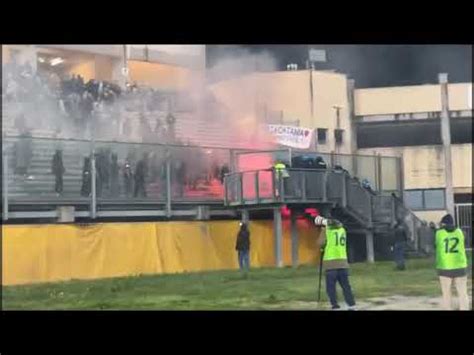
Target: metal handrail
<point x="173" y="145"/>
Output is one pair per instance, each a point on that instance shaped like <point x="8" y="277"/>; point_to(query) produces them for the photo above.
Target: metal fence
<point x="99" y="172"/>
<point x="382" y="172"/>
<point x="420" y="235"/>
<point x="463" y="216"/>
<point x="301" y="185"/>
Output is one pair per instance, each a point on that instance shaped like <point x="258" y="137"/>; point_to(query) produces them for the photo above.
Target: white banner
<point x="291" y="136"/>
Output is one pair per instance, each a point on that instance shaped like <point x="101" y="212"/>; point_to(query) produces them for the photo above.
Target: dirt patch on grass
<point x="396" y="302"/>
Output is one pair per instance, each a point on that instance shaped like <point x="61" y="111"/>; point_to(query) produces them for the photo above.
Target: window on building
<point x="399" y="134"/>
<point x="414" y="199"/>
<point x="428" y="199"/>
<point x="462" y="198"/>
<point x="434" y="199"/>
<point x="461" y="130"/>
<point x="338" y="133"/>
<point x="322" y="133"/>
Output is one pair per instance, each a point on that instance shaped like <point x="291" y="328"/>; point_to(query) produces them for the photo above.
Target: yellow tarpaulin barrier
<point x="47" y="253"/>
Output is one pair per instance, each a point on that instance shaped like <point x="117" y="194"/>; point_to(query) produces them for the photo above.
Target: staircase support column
<point x="5" y="185"/>
<point x="168" y="187"/>
<point x="93" y="187"/>
<point x="294" y="240"/>
<point x="244" y="216"/>
<point x="278" y="235"/>
<point x="369" y="243"/>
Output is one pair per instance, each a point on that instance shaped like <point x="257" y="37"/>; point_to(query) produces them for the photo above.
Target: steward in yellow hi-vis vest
<point x="334" y="254"/>
<point x="280" y="174"/>
<point x="451" y="262"/>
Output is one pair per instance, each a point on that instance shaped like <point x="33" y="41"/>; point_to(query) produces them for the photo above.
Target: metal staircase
<point x="334" y="192"/>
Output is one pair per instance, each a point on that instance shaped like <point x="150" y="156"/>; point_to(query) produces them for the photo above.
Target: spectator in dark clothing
<point x="106" y="156"/>
<point x="399" y="242"/>
<point x="303" y="162"/>
<point x="80" y="82"/>
<point x="87" y="105"/>
<point x="114" y="176"/>
<point x="224" y="170"/>
<point x="243" y="247"/>
<point x="366" y="185"/>
<point x="57" y="168"/>
<point x="100" y="173"/>
<point x="320" y="164"/>
<point x="141" y="172"/>
<point x="23" y="153"/>
<point x="340" y="169"/>
<point x="128" y="178"/>
<point x="86" y="178"/>
<point x="180" y="176"/>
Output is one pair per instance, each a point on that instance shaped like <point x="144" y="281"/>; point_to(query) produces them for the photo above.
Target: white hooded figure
<point x="320" y="221"/>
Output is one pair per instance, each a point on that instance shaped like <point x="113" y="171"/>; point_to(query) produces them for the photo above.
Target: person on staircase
<point x="451" y="262"/>
<point x="333" y="244"/>
<point x="58" y="170"/>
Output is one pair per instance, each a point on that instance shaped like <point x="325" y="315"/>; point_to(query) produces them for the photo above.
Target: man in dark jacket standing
<point x="243" y="247"/>
<point x="128" y="178"/>
<point x="399" y="242"/>
<point x="114" y="176"/>
<point x="23" y="153"/>
<point x="57" y="168"/>
<point x="141" y="172"/>
<point x="86" y="177"/>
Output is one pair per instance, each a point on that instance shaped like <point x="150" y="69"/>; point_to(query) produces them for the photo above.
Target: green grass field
<point x="266" y="288"/>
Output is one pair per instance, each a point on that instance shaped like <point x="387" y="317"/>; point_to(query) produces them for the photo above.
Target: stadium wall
<point x="49" y="253"/>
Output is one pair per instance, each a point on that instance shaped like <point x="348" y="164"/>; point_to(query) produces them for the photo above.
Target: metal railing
<point x="327" y="186"/>
<point x="420" y="235"/>
<point x="463" y="216"/>
<point x="383" y="173"/>
<point x="300" y="186"/>
<point x="172" y="173"/>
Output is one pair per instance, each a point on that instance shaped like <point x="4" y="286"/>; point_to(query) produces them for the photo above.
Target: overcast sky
<point x="373" y="65"/>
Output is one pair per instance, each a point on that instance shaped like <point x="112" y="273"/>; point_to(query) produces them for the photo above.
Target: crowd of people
<point x="79" y="98"/>
<point x="136" y="173"/>
<point x="21" y="83"/>
<point x="69" y="103"/>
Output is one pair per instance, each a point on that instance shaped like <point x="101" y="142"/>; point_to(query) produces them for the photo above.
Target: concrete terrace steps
<point x="210" y="133"/>
<point x="43" y="180"/>
<point x="197" y="132"/>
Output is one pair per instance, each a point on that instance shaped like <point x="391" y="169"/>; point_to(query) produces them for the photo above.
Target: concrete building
<point x="165" y="67"/>
<point x="404" y="122"/>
